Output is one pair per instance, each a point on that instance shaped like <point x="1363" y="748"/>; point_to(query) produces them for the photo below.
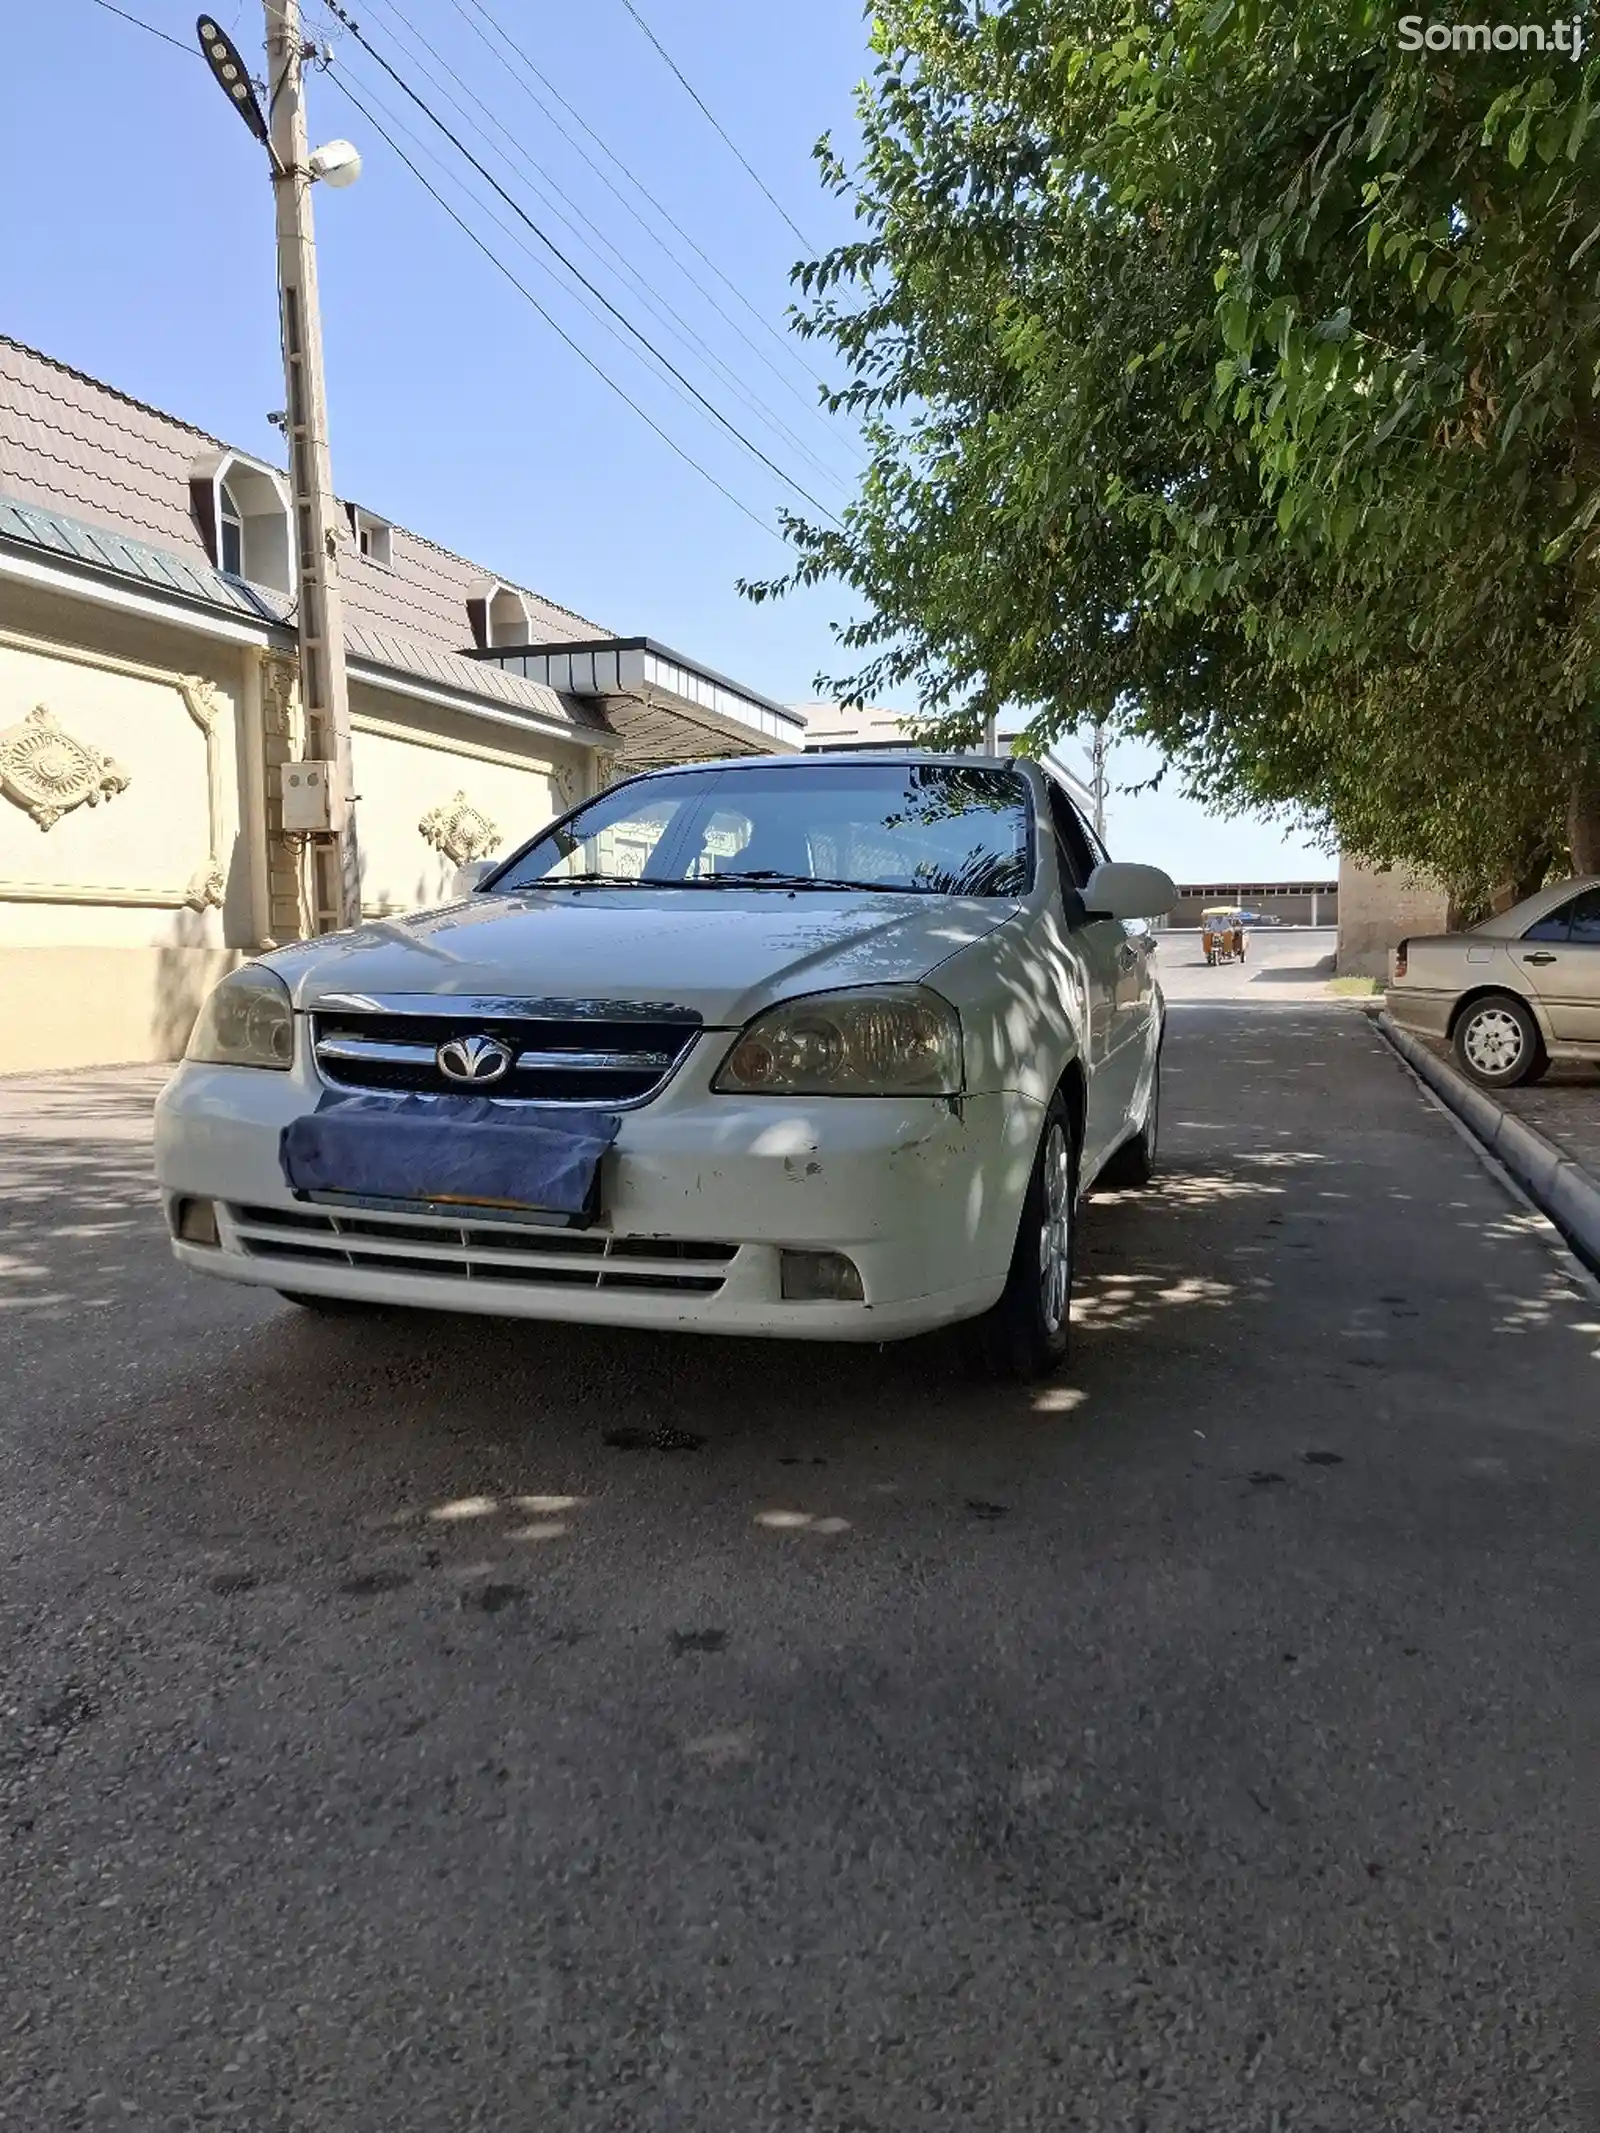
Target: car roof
<point x="919" y="757"/>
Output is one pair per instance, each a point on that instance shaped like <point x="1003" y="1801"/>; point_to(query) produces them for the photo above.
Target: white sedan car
<point x="821" y="1046"/>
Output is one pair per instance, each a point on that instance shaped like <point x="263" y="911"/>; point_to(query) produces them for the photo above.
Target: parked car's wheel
<point x="1026" y="1335"/>
<point x="1497" y="1042"/>
<point x="329" y="1306"/>
<point x="1134" y="1164"/>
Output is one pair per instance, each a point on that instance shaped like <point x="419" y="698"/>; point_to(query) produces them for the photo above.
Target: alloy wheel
<point x="1493" y="1041"/>
<point x="1055" y="1230"/>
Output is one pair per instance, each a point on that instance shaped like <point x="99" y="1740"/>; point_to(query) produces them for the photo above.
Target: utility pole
<point x="1097" y="779"/>
<point x="319" y="617"/>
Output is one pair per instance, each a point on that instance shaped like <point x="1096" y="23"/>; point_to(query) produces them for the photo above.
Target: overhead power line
<point x="178" y="45"/>
<point x="543" y="183"/>
<point x="527" y="294"/>
<point x="139" y="23"/>
<point x="661" y="371"/>
<point x="560" y="331"/>
<point x="527" y="65"/>
<point x="575" y="271"/>
<point x="718" y="127"/>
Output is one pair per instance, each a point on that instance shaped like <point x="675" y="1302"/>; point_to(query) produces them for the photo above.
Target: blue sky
<point x="145" y="257"/>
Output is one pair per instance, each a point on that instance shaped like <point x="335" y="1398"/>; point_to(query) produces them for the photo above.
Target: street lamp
<point x="226" y="62"/>
<point x="336" y="163"/>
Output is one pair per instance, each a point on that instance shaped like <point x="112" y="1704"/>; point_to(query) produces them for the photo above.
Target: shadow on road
<point x="400" y="1414"/>
<point x="390" y="1415"/>
<point x="79" y="1201"/>
<point x="1293" y="973"/>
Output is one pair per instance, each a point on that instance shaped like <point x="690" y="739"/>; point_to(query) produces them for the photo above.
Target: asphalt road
<point x="425" y="1725"/>
<point x="1283" y="966"/>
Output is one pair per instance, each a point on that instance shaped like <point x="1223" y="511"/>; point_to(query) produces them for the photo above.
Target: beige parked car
<point x="1515" y="993"/>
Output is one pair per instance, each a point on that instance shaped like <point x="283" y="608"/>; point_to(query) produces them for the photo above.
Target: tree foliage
<point x="1232" y="372"/>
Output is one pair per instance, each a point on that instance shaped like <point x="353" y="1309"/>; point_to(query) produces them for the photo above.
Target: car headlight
<point x="883" y="1040"/>
<point x="247" y="1021"/>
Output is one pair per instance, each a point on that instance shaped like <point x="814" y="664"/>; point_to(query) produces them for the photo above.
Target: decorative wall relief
<point x="48" y="772"/>
<point x="460" y="831"/>
<point x="280" y="683"/>
<point x="206" y="886"/>
<point x="566" y="784"/>
<point x="209" y="880"/>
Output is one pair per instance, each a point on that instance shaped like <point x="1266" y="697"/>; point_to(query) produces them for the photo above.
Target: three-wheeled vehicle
<point x="1222" y="933"/>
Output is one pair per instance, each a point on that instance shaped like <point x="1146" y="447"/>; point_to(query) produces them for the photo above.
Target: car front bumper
<point x="923" y="1196"/>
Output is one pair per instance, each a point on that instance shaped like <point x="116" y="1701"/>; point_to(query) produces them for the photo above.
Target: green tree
<point x="1231" y="371"/>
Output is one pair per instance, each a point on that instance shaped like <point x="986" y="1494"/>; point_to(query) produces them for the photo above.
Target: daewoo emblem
<point x="475" y="1060"/>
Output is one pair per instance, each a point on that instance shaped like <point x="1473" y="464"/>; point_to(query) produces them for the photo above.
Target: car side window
<point x="1554" y="926"/>
<point x="1586" y="919"/>
<point x="1577" y="921"/>
<point x="1072" y="839"/>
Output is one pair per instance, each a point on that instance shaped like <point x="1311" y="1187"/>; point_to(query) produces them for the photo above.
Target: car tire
<point x="1134" y="1164"/>
<point x="1026" y="1335"/>
<point x="1497" y="1042"/>
<point x="328" y="1306"/>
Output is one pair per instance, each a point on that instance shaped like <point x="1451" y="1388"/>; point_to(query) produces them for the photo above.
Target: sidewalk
<point x="1547" y="1135"/>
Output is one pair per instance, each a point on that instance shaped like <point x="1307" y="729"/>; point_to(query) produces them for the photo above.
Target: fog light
<point x="195" y="1222"/>
<point x="820" y="1277"/>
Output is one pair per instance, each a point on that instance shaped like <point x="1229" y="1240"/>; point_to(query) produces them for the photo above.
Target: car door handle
<point x="1543" y="956"/>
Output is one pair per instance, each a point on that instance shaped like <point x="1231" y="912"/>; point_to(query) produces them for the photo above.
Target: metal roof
<point x="102" y="482"/>
<point x="648" y="673"/>
<point x="114" y="467"/>
<point x="115" y="555"/>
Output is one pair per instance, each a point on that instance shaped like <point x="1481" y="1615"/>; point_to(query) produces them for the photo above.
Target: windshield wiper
<point x="770" y="878"/>
<point x="757" y="878"/>
<point x="614" y="881"/>
<point x="675" y="881"/>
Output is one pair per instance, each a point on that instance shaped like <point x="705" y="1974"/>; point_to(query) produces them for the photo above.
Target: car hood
<point x="724" y="953"/>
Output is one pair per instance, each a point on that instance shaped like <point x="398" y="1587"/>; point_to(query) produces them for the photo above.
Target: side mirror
<point x="467" y="878"/>
<point x="1114" y="890"/>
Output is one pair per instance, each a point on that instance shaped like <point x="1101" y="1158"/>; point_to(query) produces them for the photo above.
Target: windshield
<point x="934" y="829"/>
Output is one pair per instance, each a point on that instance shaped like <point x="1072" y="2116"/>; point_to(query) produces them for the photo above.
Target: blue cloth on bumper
<point x="465" y="1150"/>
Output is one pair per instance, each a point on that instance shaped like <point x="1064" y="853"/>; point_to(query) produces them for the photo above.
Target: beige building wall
<point x="1379" y="908"/>
<point x="119" y="824"/>
<point x="139" y="853"/>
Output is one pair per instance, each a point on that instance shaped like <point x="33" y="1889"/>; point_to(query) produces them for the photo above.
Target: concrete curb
<point x="1557" y="1185"/>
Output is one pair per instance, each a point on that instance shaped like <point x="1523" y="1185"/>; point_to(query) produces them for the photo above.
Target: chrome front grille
<point x="614" y="1054"/>
<point x="479" y="1251"/>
